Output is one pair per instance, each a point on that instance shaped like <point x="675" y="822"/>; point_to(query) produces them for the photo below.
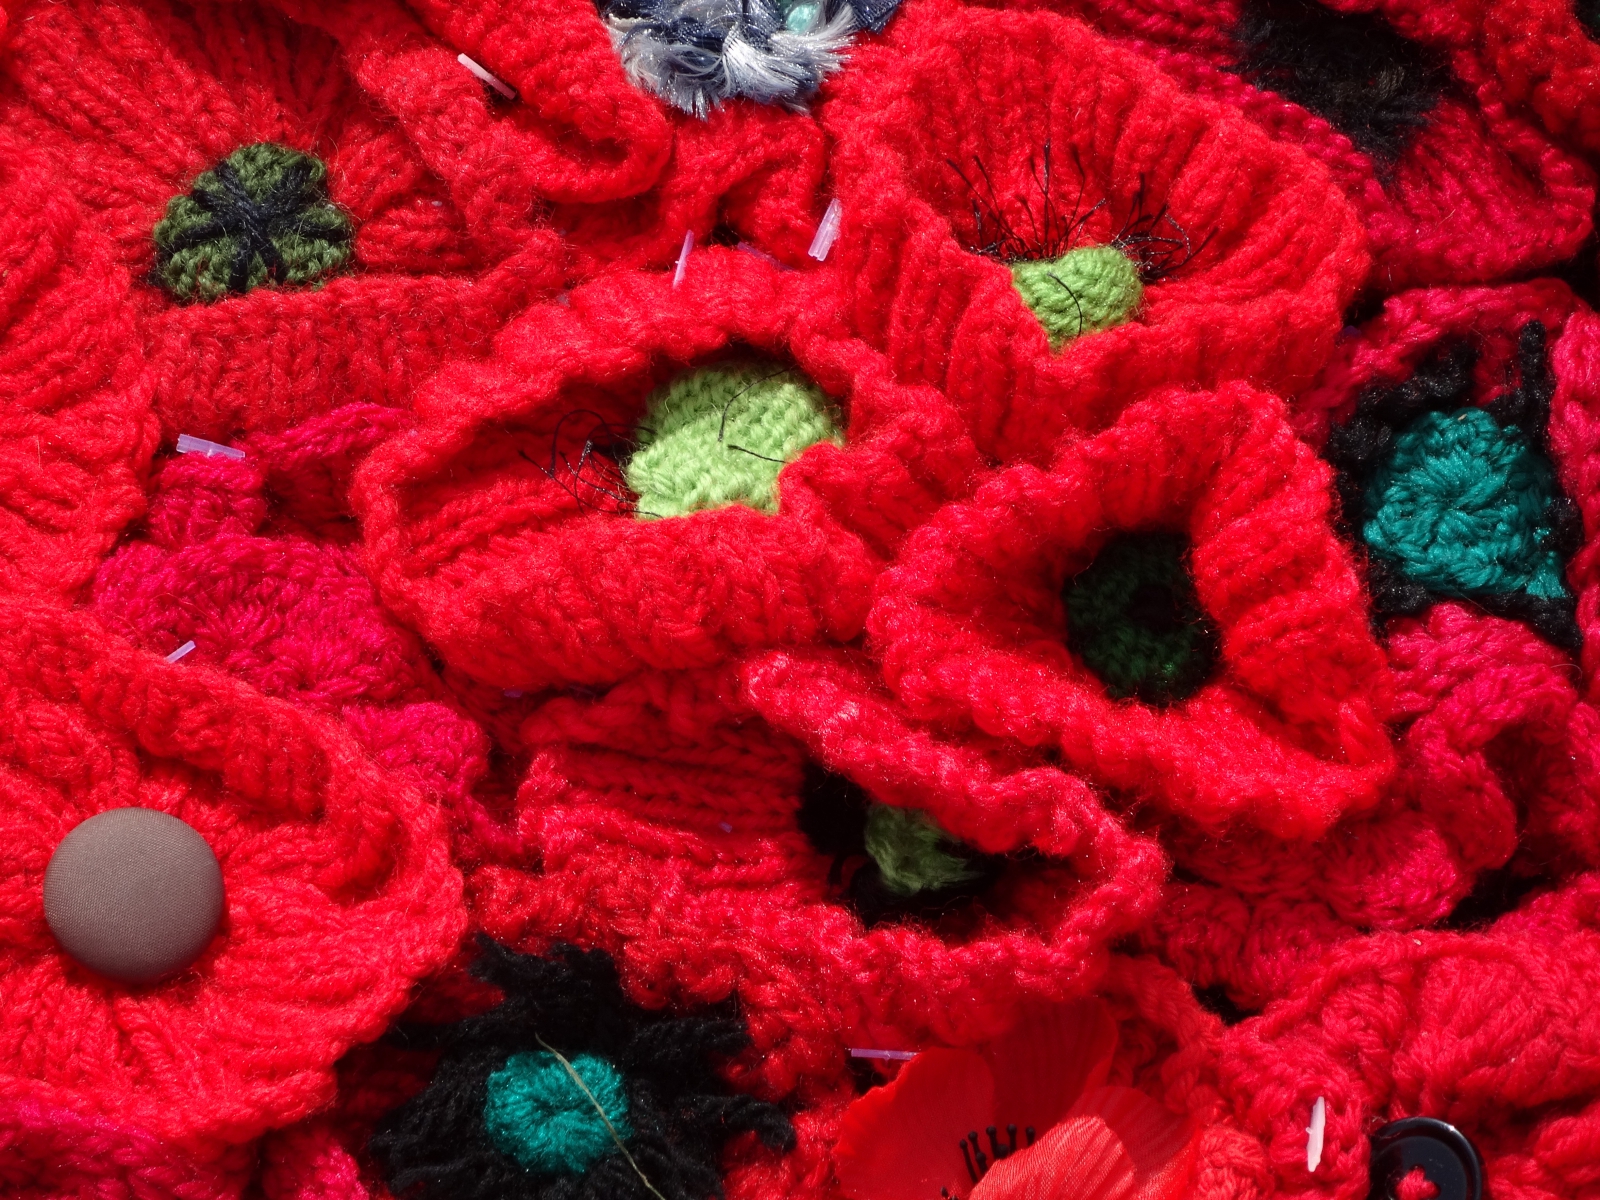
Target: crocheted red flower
<point x="711" y="854"/>
<point x="377" y="222"/>
<point x="1054" y="228"/>
<point x="625" y="174"/>
<point x="1455" y="182"/>
<point x="1027" y="1114"/>
<point x="1167" y="608"/>
<point x="1490" y="1032"/>
<point x="74" y="434"/>
<point x="339" y="888"/>
<point x="653" y="474"/>
<point x="281" y="603"/>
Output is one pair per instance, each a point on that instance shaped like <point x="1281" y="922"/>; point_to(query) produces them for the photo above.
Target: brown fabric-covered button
<point x="134" y="894"/>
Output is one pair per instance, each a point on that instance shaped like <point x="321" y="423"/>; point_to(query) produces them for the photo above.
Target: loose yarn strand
<point x="615" y="1136"/>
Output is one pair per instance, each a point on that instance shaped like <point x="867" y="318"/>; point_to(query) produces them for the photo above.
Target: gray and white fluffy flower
<point x="697" y="53"/>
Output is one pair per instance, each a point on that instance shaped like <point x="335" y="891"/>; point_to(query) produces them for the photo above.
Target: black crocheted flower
<point x="261" y="216"/>
<point x="566" y="1091"/>
<point x="889" y="862"/>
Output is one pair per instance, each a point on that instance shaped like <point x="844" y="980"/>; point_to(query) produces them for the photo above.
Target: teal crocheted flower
<point x="547" y="1114"/>
<point x="260" y="217"/>
<point x="1463" y="504"/>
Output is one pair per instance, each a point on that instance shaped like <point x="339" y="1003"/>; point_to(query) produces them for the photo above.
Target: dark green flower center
<point x="260" y="217"/>
<point x="1133" y="618"/>
<point x="547" y="1114"/>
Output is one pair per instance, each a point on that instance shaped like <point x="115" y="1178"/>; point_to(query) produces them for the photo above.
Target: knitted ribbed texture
<point x="720" y="435"/>
<point x="1046" y="139"/>
<point x="261" y="216"/>
<point x="334" y="872"/>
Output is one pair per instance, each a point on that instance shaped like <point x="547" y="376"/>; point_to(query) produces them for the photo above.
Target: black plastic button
<point x="1446" y="1157"/>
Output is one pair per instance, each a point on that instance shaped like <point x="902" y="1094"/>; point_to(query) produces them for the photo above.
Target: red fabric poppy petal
<point x="1049" y="1060"/>
<point x="1080" y="1159"/>
<point x="900" y="1141"/>
<point x="1159" y="1143"/>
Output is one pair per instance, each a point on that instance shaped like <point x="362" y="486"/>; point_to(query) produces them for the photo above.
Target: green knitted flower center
<point x="1083" y="291"/>
<point x="1463" y="504"/>
<point x="537" y="1114"/>
<point x="1133" y="618"/>
<point x="913" y="854"/>
<point x="260" y="217"/>
<point x="721" y="435"/>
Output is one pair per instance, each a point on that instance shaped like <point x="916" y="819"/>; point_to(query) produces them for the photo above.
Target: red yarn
<point x="1479" y="193"/>
<point x="1282" y="256"/>
<point x="477" y="536"/>
<point x="1289" y="733"/>
<point x="123" y="104"/>
<point x="339" y="886"/>
<point x="664" y="819"/>
<point x="75" y="429"/>
<point x="293" y="616"/>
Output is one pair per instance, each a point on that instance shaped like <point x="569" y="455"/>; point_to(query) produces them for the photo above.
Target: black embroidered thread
<point x="435" y="1147"/>
<point x="1353" y="70"/>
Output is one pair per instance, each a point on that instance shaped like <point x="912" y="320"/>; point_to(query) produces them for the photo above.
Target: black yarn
<point x="833" y="816"/>
<point x="1351" y="69"/>
<point x="1217" y="1001"/>
<point x="1443" y="383"/>
<point x="252" y="223"/>
<point x="435" y="1146"/>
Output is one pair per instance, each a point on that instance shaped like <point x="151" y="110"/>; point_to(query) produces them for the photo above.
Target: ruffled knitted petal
<point x="971" y="195"/>
<point x="674" y="823"/>
<point x="974" y="624"/>
<point x="340" y="892"/>
<point x="509" y="528"/>
<point x="1455" y="180"/>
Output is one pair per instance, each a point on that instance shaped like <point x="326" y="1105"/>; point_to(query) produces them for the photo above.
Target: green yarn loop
<point x="1463" y="506"/>
<point x="260" y="217"/>
<point x="912" y="853"/>
<point x="1133" y="618"/>
<point x="721" y="435"/>
<point x="537" y="1114"/>
<point x="1083" y="291"/>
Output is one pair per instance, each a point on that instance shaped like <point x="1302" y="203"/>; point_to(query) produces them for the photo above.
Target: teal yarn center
<point x="913" y="854"/>
<point x="1134" y="619"/>
<point x="537" y="1114"/>
<point x="1083" y="291"/>
<point x="260" y="217"/>
<point x="721" y="435"/>
<point x="1464" y="506"/>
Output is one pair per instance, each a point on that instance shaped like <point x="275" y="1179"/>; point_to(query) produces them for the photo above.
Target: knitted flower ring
<point x="565" y="1089"/>
<point x="1055" y="228"/>
<point x="714" y="853"/>
<point x="652" y="475"/>
<point x="1167" y="609"/>
<point x="1453" y="177"/>
<point x="338" y="886"/>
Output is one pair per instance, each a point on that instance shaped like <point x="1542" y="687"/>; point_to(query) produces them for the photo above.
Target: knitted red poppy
<point x="1049" y="140"/>
<point x="422" y="244"/>
<point x="339" y="887"/>
<point x="1453" y="180"/>
<point x="677" y="830"/>
<point x="291" y="614"/>
<point x="504" y="527"/>
<point x="74" y="435"/>
<point x="1285" y="731"/>
<point x="1491" y="1032"/>
<point x="58" y="1148"/>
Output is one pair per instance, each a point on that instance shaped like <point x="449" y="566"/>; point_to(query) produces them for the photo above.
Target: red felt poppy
<point x="969" y="138"/>
<point x="1287" y="731"/>
<point x="126" y="104"/>
<point x="1023" y="1117"/>
<point x="503" y="527"/>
